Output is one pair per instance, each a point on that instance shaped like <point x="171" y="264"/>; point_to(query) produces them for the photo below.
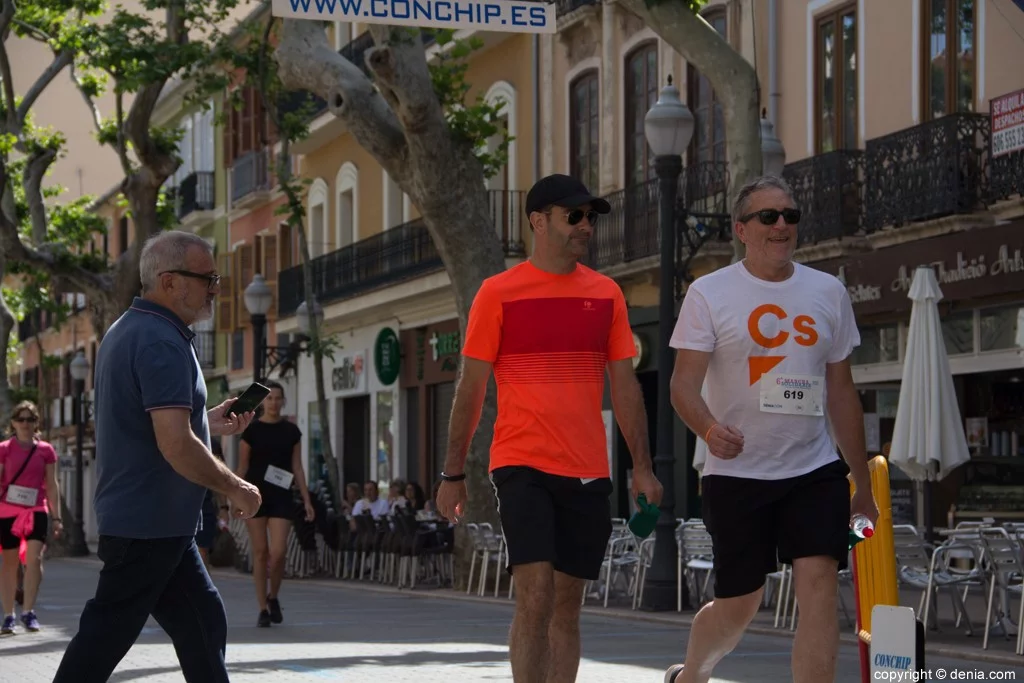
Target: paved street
<point x="336" y="632"/>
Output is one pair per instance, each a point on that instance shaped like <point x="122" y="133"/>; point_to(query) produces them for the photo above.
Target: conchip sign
<point x="508" y="16"/>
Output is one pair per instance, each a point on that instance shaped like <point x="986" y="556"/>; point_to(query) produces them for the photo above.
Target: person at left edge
<point x="153" y="464"/>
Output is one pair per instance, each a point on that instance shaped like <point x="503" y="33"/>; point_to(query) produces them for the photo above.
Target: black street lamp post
<point x="258" y="300"/>
<point x="79" y="371"/>
<point x="668" y="127"/>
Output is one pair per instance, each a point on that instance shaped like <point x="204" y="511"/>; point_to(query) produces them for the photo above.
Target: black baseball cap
<point x="565" y="191"/>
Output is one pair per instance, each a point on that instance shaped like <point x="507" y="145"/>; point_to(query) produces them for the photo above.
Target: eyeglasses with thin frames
<point x="211" y="280"/>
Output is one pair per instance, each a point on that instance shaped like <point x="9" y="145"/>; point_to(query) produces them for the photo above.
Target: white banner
<point x="508" y="16"/>
<point x="1007" y="113"/>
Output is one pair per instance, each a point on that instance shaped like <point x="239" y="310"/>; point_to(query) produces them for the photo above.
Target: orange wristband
<point x="707" y="434"/>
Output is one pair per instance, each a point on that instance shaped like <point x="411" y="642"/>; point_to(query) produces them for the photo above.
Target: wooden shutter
<point x="228" y="130"/>
<point x="244" y="270"/>
<point x="285" y="258"/>
<point x="225" y="316"/>
<point x="270" y="269"/>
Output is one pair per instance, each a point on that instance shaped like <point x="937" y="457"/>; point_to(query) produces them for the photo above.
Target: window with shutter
<point x="225" y="317"/>
<point x="245" y="268"/>
<point x="285" y="252"/>
<point x="270" y="269"/>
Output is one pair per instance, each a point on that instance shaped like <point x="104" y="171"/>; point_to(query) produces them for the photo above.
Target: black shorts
<point x="755" y="524"/>
<point x="40" y="527"/>
<point x="547" y="518"/>
<point x="277" y="502"/>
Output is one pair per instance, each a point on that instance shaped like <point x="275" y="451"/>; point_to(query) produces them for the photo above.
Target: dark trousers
<point x="162" y="577"/>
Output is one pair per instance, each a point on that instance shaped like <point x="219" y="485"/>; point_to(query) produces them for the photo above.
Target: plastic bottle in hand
<point x="645" y="518"/>
<point x="860" y="529"/>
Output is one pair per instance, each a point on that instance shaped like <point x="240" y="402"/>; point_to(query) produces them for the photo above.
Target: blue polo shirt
<point x="146" y="361"/>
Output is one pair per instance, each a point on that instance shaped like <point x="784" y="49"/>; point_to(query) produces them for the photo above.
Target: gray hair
<point x="167" y="251"/>
<point x="765" y="182"/>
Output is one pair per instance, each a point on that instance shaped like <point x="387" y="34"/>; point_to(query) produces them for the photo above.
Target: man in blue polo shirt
<point x="153" y="465"/>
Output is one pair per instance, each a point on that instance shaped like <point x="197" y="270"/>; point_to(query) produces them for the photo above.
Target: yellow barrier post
<point x="874" y="563"/>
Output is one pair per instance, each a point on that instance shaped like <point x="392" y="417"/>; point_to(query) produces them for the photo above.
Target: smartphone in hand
<point x="250" y="399"/>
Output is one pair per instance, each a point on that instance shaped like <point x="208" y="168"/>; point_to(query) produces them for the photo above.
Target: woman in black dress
<point x="270" y="457"/>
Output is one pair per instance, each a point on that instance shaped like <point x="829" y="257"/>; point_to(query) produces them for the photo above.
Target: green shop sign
<point x="387" y="356"/>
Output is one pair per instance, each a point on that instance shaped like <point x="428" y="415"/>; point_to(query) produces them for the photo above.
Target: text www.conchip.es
<point x="504" y="13"/>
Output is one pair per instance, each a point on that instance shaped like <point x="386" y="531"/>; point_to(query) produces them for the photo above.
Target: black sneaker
<point x="264" y="619"/>
<point x="274" y="605"/>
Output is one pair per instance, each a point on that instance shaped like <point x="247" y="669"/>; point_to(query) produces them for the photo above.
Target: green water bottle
<point x="643" y="521"/>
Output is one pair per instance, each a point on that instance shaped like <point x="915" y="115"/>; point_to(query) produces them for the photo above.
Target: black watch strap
<point x="453" y="477"/>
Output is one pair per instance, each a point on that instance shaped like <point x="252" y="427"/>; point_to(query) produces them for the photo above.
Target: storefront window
<point x="385" y="435"/>
<point x="1002" y="328"/>
<point x="877" y="345"/>
<point x="958" y="333"/>
<point x="316" y="470"/>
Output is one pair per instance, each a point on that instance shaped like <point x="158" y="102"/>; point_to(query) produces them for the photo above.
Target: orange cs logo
<point x="804" y="334"/>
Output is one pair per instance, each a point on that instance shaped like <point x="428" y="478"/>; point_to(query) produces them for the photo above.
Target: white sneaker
<point x="673" y="672"/>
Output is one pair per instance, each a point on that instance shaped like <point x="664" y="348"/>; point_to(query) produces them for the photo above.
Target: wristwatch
<point x="453" y="477"/>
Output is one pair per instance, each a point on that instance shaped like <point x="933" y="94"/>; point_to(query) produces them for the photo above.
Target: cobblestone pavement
<point x="337" y="632"/>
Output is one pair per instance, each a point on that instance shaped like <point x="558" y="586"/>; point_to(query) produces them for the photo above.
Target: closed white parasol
<point x="928" y="441"/>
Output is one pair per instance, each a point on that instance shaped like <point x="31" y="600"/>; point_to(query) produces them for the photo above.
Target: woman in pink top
<point x="28" y="491"/>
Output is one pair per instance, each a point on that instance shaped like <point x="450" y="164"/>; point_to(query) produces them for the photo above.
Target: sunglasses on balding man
<point x="211" y="280"/>
<point x="771" y="216"/>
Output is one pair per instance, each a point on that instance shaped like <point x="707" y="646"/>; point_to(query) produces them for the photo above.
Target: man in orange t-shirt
<point x="550" y="328"/>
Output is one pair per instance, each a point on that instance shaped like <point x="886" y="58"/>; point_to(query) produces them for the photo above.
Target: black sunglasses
<point x="211" y="280"/>
<point x="23" y="418"/>
<point x="771" y="216"/>
<point x="576" y="215"/>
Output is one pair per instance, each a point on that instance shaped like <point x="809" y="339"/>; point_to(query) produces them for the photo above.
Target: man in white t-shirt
<point x="773" y="340"/>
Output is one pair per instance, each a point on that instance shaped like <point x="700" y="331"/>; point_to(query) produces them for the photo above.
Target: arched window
<point x="708" y="143"/>
<point x="641" y="94"/>
<point x="585" y="129"/>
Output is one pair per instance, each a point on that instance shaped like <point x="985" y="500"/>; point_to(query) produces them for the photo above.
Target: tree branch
<point x="6" y="16"/>
<point x="122" y="140"/>
<point x="32" y="180"/>
<point x="97" y="118"/>
<point x="60" y="60"/>
<point x="732" y="77"/>
<point x="14" y="250"/>
<point x="140" y="117"/>
<point x="399" y="63"/>
<point x="349" y="94"/>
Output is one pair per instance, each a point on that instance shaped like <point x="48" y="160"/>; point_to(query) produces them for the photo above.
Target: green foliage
<point x="694" y="5"/>
<point x="121" y="50"/>
<point x="476" y="123"/>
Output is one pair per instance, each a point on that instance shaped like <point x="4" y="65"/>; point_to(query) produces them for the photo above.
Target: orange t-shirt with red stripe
<point x="550" y="338"/>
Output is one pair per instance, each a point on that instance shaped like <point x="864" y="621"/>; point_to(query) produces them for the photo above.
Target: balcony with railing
<point x="400" y="253"/>
<point x="631" y="231"/>
<point x="206" y="349"/>
<point x="194" y="194"/>
<point x="1006" y="176"/>
<point x="250" y="174"/>
<point x="829" y="189"/>
<point x="933" y="170"/>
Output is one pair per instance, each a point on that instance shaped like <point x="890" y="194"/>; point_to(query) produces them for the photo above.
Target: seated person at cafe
<point x="371" y="502"/>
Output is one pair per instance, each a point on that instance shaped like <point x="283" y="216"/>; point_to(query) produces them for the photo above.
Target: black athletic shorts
<point x="548" y="518"/>
<point x="40" y="526"/>
<point x="756" y="523"/>
<point x="277" y="502"/>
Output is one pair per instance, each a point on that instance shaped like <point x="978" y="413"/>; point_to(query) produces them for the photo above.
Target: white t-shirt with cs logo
<point x="770" y="343"/>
